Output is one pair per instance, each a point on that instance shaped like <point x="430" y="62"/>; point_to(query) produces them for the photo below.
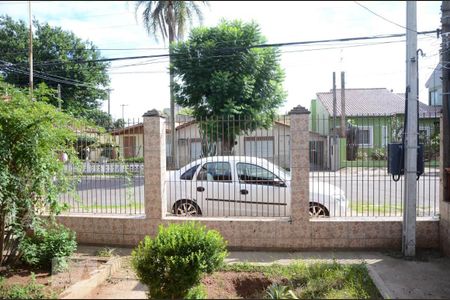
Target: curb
<point x="379" y="283"/>
<point x="83" y="288"/>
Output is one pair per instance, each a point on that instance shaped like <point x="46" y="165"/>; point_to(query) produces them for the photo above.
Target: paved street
<point x="370" y="193"/>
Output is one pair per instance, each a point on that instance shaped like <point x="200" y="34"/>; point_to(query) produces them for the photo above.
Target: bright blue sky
<point x="143" y="87"/>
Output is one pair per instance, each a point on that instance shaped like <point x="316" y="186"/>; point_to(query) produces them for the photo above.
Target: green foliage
<point x="31" y="290"/>
<point x="50" y="244"/>
<point x="276" y="291"/>
<point x="232" y="85"/>
<point x="362" y="155"/>
<point x="32" y="137"/>
<point x="378" y="154"/>
<point x="318" y="280"/>
<point x="55" y="44"/>
<point x="160" y="16"/>
<point x="175" y="260"/>
<point x="196" y="292"/>
<point x="105" y="252"/>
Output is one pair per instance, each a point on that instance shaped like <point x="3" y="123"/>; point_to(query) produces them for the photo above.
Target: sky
<point x="308" y="69"/>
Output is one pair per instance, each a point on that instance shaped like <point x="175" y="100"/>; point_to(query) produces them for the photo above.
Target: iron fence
<point x="349" y="174"/>
<point x="111" y="178"/>
<point x="229" y="167"/>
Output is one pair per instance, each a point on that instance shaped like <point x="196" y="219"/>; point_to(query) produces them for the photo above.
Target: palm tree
<point x="169" y="19"/>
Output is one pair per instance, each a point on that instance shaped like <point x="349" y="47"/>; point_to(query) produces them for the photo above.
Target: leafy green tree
<point x="169" y="19"/>
<point x="82" y="84"/>
<point x="33" y="137"/>
<point x="220" y="76"/>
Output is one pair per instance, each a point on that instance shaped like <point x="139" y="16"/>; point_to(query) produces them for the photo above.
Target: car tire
<point x="317" y="210"/>
<point x="186" y="208"/>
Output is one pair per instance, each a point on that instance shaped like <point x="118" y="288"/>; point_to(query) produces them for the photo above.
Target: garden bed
<point x="311" y="281"/>
<point x="27" y="282"/>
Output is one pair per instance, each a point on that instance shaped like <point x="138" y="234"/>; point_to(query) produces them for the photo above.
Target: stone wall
<point x="295" y="233"/>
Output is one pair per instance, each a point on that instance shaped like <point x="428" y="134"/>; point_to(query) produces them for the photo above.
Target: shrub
<point x="362" y="155"/>
<point x="49" y="244"/>
<point x="196" y="292"/>
<point x="105" y="252"/>
<point x="175" y="260"/>
<point x="378" y="154"/>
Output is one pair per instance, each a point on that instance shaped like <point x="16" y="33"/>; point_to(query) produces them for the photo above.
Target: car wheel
<point x="187" y="208"/>
<point x="318" y="210"/>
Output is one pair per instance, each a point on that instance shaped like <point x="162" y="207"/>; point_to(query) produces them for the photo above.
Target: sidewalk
<point x="396" y="278"/>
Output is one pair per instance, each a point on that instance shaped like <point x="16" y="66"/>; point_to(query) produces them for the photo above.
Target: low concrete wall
<point x="273" y="234"/>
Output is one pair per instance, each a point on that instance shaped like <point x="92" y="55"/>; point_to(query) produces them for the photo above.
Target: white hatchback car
<point x="243" y="186"/>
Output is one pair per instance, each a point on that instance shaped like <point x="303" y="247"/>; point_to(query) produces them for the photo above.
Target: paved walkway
<point x="425" y="278"/>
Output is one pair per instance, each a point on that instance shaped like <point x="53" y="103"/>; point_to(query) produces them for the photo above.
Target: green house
<point x="373" y="118"/>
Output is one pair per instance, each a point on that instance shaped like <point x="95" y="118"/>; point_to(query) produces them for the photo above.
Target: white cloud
<point x="306" y="72"/>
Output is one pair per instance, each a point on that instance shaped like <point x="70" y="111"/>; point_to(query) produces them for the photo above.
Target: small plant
<point x="105" y="252"/>
<point x="277" y="291"/>
<point x="50" y="244"/>
<point x="378" y="154"/>
<point x="176" y="259"/>
<point x="362" y="155"/>
<point x="31" y="290"/>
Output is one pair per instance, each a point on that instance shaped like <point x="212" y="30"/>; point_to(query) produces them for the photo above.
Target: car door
<point x="215" y="188"/>
<point x="261" y="193"/>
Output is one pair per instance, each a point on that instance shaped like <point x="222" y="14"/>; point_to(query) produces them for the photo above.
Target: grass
<point x="384" y="209"/>
<point x="105" y="252"/>
<point x="378" y="209"/>
<point x="132" y="206"/>
<point x="318" y="280"/>
<point x="31" y="290"/>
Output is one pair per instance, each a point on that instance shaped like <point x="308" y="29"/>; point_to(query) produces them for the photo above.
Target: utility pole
<point x="30" y="50"/>
<point x="342" y="104"/>
<point x="59" y="96"/>
<point x="445" y="134"/>
<point x="334" y="103"/>
<point x="409" y="208"/>
<point x="334" y="148"/>
<point x="123" y="112"/>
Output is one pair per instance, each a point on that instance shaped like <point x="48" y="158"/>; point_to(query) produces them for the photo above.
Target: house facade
<point x="376" y="116"/>
<point x="434" y="86"/>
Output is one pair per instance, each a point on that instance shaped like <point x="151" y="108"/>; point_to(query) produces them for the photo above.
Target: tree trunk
<point x="227" y="146"/>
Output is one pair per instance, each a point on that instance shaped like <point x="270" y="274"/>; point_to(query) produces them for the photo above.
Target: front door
<point x="261" y="193"/>
<point x="215" y="189"/>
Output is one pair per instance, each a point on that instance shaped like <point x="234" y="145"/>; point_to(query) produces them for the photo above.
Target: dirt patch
<point x="79" y="269"/>
<point x="232" y="285"/>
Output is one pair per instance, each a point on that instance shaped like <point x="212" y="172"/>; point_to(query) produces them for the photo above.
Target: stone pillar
<point x="299" y="148"/>
<point x="154" y="165"/>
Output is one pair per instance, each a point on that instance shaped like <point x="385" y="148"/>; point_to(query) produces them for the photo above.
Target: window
<point x="215" y="171"/>
<point x="189" y="174"/>
<point x="365" y="136"/>
<point x="253" y="174"/>
<point x="259" y="146"/>
<point x="435" y="98"/>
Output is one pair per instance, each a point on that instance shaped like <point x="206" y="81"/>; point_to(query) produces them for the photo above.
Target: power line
<point x="384" y="18"/>
<point x="54" y="78"/>
<point x="241" y="48"/>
